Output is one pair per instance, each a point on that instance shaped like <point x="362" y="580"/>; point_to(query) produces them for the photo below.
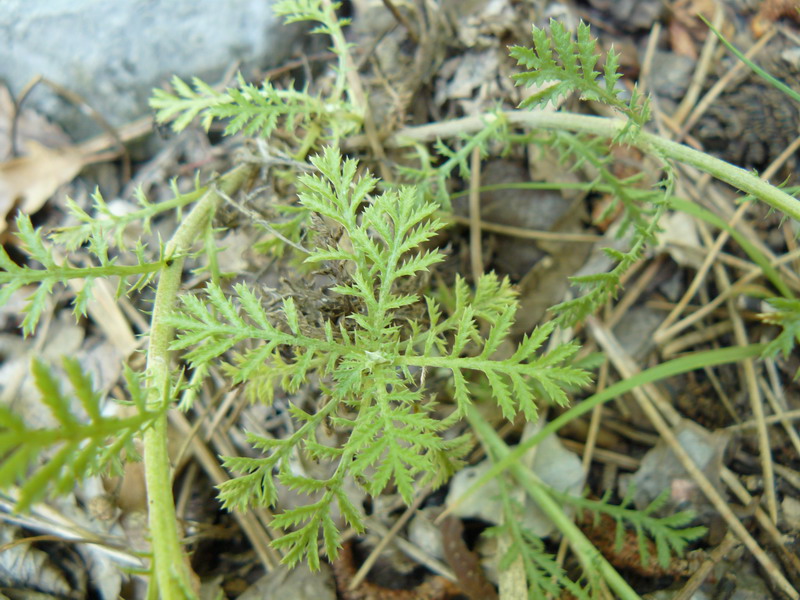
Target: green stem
<point x="172" y="572"/>
<point x="27" y="275"/>
<point x="97" y="429"/>
<point x="611" y="128"/>
<point x="151" y="210"/>
<point x="590" y="557"/>
<point x="773" y="81"/>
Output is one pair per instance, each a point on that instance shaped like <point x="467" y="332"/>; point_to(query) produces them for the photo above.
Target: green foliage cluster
<point x="83" y="442"/>
<point x="570" y="64"/>
<point x="252" y="110"/>
<point x="786" y="314"/>
<point x="372" y="366"/>
<point x="371" y="358"/>
<point x="14" y="277"/>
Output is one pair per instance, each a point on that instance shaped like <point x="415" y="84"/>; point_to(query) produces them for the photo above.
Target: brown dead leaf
<point x="465" y="563"/>
<point x="51" y="161"/>
<point x="681" y="40"/>
<point x="29" y="125"/>
<point x="31" y="179"/>
<point x="685" y="13"/>
<point x="770" y="11"/>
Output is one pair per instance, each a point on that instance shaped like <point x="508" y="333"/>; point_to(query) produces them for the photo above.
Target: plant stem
<point x="611" y="128"/>
<point x="65" y="273"/>
<point x="590" y="557"/>
<point x="172" y="572"/>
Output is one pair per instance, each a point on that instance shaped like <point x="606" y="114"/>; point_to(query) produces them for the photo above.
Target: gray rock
<point x="671" y="74"/>
<point x="631" y="15"/>
<point x="556" y="466"/>
<point x="299" y="583"/>
<point x="114" y="53"/>
<point x="661" y="470"/>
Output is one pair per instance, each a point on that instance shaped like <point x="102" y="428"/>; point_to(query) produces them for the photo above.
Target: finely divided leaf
<point x="75" y="448"/>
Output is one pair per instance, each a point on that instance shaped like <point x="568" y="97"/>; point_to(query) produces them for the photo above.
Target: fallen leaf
<point x="28" y="125"/>
<point x="26" y="570"/>
<point x="31" y="179"/>
<point x="465" y="563"/>
<point x="681" y="39"/>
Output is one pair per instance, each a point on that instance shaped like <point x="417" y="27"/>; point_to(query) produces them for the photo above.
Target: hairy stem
<point x="172" y="573"/>
<point x="610" y="128"/>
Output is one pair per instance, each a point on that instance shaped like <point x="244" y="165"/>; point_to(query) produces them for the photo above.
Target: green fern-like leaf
<point x="670" y="534"/>
<point x="296" y="11"/>
<point x="545" y="576"/>
<point x="787" y="316"/>
<point x="106" y="224"/>
<point x="255" y="111"/>
<point x="566" y="66"/>
<point x="14" y="277"/>
<point x="79" y="446"/>
<point x="516" y="382"/>
<point x="366" y="362"/>
<point x="252" y="110"/>
<point x="642" y="209"/>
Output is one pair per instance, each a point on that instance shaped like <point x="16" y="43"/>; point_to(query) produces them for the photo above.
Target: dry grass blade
<point x="668" y="333"/>
<point x="788" y="415"/>
<point x="702" y="70"/>
<point x="753" y="393"/>
<point x="649" y="398"/>
<point x="46" y="519"/>
<point x="386" y="539"/>
<point x="724" y="81"/>
<point x="256" y="533"/>
<point x="776" y="537"/>
<point x="528" y="234"/>
<point x="669" y="328"/>
<point x="664" y="331"/>
<point x="647" y="62"/>
<point x="778" y="408"/>
<point x="475" y="248"/>
<point x="714" y="557"/>
<point x="409" y="549"/>
<point x="401" y="18"/>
